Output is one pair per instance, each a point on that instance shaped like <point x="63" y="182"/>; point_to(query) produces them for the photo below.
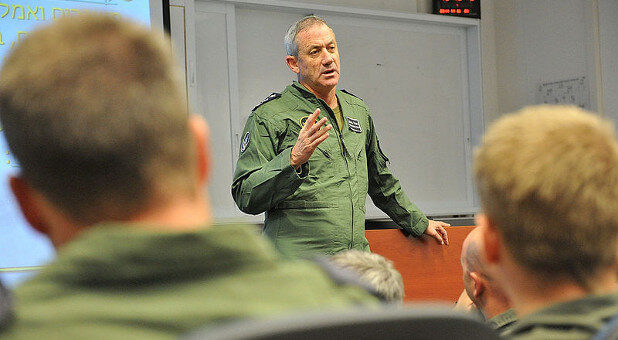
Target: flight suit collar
<point x="346" y="107"/>
<point x="302" y="90"/>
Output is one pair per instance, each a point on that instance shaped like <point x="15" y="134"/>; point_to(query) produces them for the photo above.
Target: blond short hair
<point x="548" y="178"/>
<point x="374" y="270"/>
<point x="92" y="109"/>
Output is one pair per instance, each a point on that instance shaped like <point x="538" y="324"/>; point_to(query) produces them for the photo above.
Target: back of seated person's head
<point x="92" y="109"/>
<point x="374" y="270"/>
<point x="479" y="285"/>
<point x="548" y="181"/>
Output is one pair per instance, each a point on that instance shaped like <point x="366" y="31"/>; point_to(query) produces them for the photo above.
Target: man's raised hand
<point x="309" y="137"/>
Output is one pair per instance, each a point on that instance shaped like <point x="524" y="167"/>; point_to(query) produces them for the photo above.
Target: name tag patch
<point x="354" y="124"/>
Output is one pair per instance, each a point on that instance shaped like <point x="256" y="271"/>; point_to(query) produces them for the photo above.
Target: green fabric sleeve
<point x="263" y="178"/>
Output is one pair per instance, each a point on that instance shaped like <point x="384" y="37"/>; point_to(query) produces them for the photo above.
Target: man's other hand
<point x="464" y="303"/>
<point x="436" y="230"/>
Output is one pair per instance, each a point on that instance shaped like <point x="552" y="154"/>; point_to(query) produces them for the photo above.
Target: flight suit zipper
<point x="344" y="153"/>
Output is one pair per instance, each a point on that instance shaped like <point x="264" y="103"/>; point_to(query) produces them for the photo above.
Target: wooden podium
<point x="430" y="271"/>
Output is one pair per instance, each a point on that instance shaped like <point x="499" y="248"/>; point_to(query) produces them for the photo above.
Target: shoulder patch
<point x="245" y="141"/>
<point x="351" y="94"/>
<point x="272" y="96"/>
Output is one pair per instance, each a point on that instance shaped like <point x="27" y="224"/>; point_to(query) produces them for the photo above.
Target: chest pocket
<point x="288" y="138"/>
<point x="323" y="163"/>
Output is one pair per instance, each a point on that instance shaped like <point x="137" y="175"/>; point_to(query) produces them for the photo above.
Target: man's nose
<point x="327" y="58"/>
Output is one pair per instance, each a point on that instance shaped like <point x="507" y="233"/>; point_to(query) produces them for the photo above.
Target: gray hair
<point x="374" y="270"/>
<point x="291" y="47"/>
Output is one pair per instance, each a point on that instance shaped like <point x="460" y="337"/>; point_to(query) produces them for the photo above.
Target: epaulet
<point x="351" y="94"/>
<point x="343" y="276"/>
<point x="272" y="96"/>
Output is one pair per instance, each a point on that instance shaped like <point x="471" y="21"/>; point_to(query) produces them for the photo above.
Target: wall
<point x="527" y="42"/>
<point x="608" y="55"/>
<point x="552" y="40"/>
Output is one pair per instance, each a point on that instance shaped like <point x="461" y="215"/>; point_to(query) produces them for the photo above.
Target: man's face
<point x="318" y="58"/>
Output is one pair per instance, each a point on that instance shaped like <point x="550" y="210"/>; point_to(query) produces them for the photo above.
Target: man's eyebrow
<point x="318" y="45"/>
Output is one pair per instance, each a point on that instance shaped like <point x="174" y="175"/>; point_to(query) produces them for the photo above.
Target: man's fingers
<point x="317" y="130"/>
<point x="315" y="114"/>
<point x="318" y="133"/>
<point x="444" y="236"/>
<point x="318" y="137"/>
<point x="319" y="124"/>
<point x="438" y="237"/>
<point x="319" y="140"/>
<point x="311" y="119"/>
<point x="441" y="235"/>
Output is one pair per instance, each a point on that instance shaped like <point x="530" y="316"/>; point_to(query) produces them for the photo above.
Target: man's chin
<point x="330" y="81"/>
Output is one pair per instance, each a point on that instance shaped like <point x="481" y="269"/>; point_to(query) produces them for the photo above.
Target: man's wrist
<point x="303" y="170"/>
<point x="293" y="163"/>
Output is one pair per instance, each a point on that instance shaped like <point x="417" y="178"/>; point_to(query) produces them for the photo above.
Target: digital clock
<point x="460" y="8"/>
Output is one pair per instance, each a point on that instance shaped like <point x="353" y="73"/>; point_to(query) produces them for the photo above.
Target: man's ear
<point x="27" y="201"/>
<point x="490" y="238"/>
<point x="201" y="134"/>
<point x="479" y="285"/>
<point x="292" y="62"/>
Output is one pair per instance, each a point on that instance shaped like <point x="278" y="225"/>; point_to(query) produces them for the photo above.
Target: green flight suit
<point x="118" y="281"/>
<point x="503" y="321"/>
<point x="320" y="209"/>
<point x="571" y="320"/>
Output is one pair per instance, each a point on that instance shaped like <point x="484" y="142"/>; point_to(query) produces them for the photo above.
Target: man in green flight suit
<point x="312" y="187"/>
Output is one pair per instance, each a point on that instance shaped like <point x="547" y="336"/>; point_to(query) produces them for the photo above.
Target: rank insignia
<point x="272" y="96"/>
<point x="354" y="124"/>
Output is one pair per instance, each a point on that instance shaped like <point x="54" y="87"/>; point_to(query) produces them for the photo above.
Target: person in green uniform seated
<point x="481" y="293"/>
<point x="548" y="182"/>
<point x="312" y="178"/>
<point x="113" y="170"/>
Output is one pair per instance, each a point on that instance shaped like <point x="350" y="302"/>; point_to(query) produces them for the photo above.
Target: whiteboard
<point x="418" y="73"/>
